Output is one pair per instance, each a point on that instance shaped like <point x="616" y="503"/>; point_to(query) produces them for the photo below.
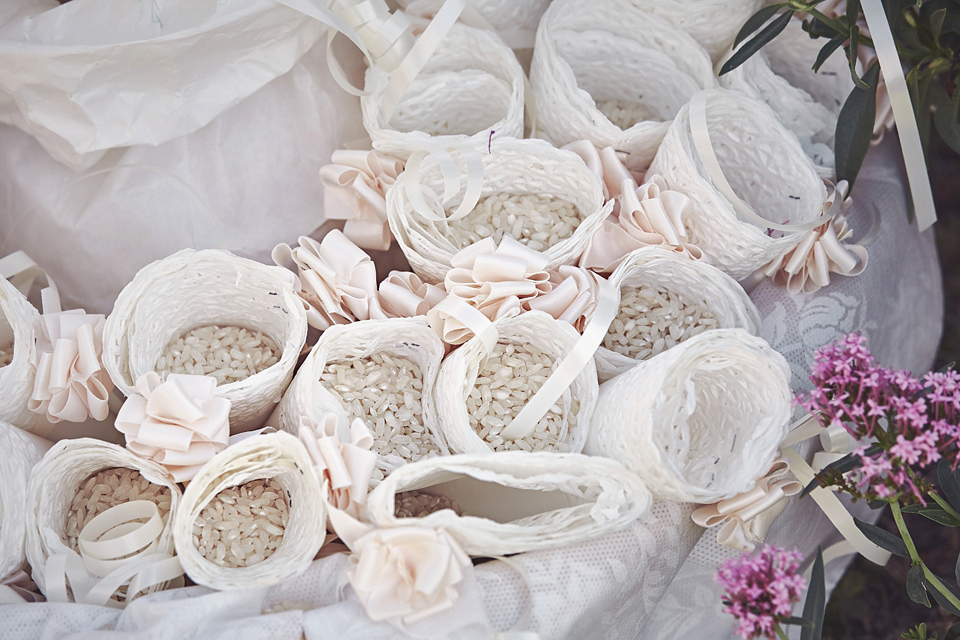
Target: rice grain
<point x="229" y="354"/>
<point x="416" y="504"/>
<point x="538" y="221"/>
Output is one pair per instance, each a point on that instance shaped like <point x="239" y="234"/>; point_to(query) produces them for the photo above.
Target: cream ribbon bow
<point x="344" y="467"/>
<point x="649" y="215"/>
<point x="573" y="296"/>
<point x="355" y="187"/>
<point x="746" y="518"/>
<point x="404" y="295"/>
<point x="605" y="163"/>
<point x="492" y="279"/>
<point x="18" y="588"/>
<point x="71" y="383"/>
<point x="178" y="423"/>
<point x="807" y="266"/>
<point x="338" y="280"/>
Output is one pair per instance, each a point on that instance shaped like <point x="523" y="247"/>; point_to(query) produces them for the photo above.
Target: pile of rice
<point x="106" y="489"/>
<point x="538" y="221"/>
<point x="242" y="525"/>
<point x="652" y="320"/>
<point x="510" y="377"/>
<point x="6" y="356"/>
<point x="416" y="504"/>
<point x="385" y="392"/>
<point x="625" y="114"/>
<point x="229" y="354"/>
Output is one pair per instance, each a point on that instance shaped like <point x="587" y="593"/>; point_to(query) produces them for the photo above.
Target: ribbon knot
<point x="71" y="383"/>
<point x="605" y="163"/>
<point x="649" y="215"/>
<point x="572" y="298"/>
<point x="344" y="467"/>
<point x="404" y="295"/>
<point x="746" y="518"/>
<point x="355" y="187"/>
<point x="178" y="423"/>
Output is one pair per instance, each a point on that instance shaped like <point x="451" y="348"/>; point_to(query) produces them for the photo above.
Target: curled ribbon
<point x="807" y="266"/>
<point x="179" y="423"/>
<point x="649" y="215"/>
<point x="118" y="548"/>
<point x="71" y="383"/>
<point x="746" y="518"/>
<point x="492" y="279"/>
<point x="338" y="280"/>
<point x="345" y="467"/>
<point x="605" y="163"/>
<point x="355" y="185"/>
<point x="404" y="294"/>
<point x="572" y="298"/>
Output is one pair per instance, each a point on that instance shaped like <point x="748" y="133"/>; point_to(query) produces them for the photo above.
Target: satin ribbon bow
<point x="178" y="423"/>
<point x="404" y="295"/>
<point x="355" y="187"/>
<point x="338" y="280"/>
<point x="492" y="279"/>
<point x="403" y="574"/>
<point x="649" y="215"/>
<point x="345" y="467"/>
<point x="807" y="266"/>
<point x="71" y="383"/>
<point x="746" y="518"/>
<point x="573" y="296"/>
<point x="18" y="588"/>
<point x="605" y="163"/>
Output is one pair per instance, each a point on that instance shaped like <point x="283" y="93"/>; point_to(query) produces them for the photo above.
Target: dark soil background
<point x="871" y="602"/>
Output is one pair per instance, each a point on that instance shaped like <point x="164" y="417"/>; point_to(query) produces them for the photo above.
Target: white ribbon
<point x="18" y="588"/>
<point x="344" y="467"/>
<point x="404" y="295"/>
<point x="417" y="193"/>
<point x="22" y="272"/>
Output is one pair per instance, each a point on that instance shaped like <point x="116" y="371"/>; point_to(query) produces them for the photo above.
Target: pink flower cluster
<point x="913" y="422"/>
<point x="760" y="590"/>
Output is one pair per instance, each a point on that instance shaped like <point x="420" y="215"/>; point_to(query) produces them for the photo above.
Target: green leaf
<point x="827" y="50"/>
<point x="949" y="482"/>
<point x="915" y="588"/>
<point x="855" y="127"/>
<point x="756" y="21"/>
<point x="797" y="621"/>
<point x="816" y="602"/>
<point x="956" y="570"/>
<point x="851" y="49"/>
<point x="940" y="598"/>
<point x="769" y="32"/>
<point x="936" y="23"/>
<point x="933" y="512"/>
<point x="953" y="633"/>
<point x="947" y="119"/>
<point x="883" y="538"/>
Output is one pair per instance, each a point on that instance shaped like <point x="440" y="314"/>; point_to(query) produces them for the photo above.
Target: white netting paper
<point x="57" y="479"/>
<point x="512" y="167"/>
<point x="193" y="289"/>
<point x="471" y="87"/>
<point x="699" y="422"/>
<point x="605" y="60"/>
<point x="515" y="501"/>
<point x="508" y="17"/>
<point x="19" y="452"/>
<point x="20" y="329"/>
<point x="278" y="456"/>
<point x="408" y="339"/>
<point x="688" y="282"/>
<point x="459" y="372"/>
<point x="765" y="166"/>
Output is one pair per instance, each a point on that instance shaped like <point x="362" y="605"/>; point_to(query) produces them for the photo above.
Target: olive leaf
<point x="816" y="602"/>
<point x="768" y="33"/>
<point x="882" y="538"/>
<point x="855" y="126"/>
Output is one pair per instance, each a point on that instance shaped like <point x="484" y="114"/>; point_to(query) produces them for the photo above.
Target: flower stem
<point x="780" y="633"/>
<point x="915" y="557"/>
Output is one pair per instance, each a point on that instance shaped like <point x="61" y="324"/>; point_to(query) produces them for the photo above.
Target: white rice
<point x="229" y="354"/>
<point x="106" y="489"/>
<point x="538" y="221"/>
<point x="507" y="381"/>
<point x="385" y="392"/>
<point x="416" y="504"/>
<point x="625" y="114"/>
<point x="651" y="320"/>
<point x="6" y="355"/>
<point x="243" y="525"/>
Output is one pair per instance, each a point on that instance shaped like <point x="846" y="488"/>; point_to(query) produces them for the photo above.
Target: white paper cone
<point x="19" y="452"/>
<point x="19" y="328"/>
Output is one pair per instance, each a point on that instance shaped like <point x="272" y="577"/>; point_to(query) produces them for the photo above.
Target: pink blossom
<point x="760" y="590"/>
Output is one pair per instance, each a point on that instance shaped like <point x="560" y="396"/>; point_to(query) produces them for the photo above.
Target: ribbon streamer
<point x="22" y="272"/>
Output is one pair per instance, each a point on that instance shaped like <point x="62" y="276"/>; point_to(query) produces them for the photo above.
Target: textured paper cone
<point x="19" y="326"/>
<point x="699" y="422"/>
<point x="192" y="289"/>
<point x="508" y="15"/>
<point x="471" y="86"/>
<point x="513" y="167"/>
<point x="694" y="281"/>
<point x="610" y="49"/>
<point x="514" y="501"/>
<point x="408" y="338"/>
<point x="770" y="173"/>
<point x="57" y="478"/>
<point x="460" y="369"/>
<point x="19" y="452"/>
<point x="274" y="455"/>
